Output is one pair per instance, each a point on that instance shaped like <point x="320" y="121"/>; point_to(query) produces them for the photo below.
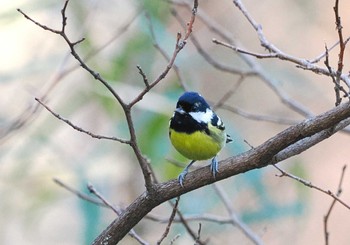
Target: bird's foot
<point x="214" y="166"/>
<point x="184" y="172"/>
<point x="181" y="177"/>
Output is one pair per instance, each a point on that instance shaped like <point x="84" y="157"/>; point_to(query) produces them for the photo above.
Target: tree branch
<point x="326" y="217"/>
<point x="258" y="157"/>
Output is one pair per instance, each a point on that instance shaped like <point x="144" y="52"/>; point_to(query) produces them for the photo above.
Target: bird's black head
<point x="192" y="102"/>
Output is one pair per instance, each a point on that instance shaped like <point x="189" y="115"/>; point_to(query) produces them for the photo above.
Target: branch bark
<point x="258" y="157"/>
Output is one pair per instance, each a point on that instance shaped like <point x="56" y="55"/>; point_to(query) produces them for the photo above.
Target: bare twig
<point x="180" y="44"/>
<point x="309" y="184"/>
<point x="96" y="136"/>
<point x="92" y="190"/>
<point x="229" y="93"/>
<point x="183" y="220"/>
<point x="78" y="193"/>
<point x="145" y="80"/>
<point x="323" y="54"/>
<point x="174" y="239"/>
<point x="234" y="217"/>
<point x="341" y="49"/>
<point x="274" y="52"/>
<point x="258" y="117"/>
<point x="336" y="84"/>
<point x="164" y="54"/>
<point x="326" y="217"/>
<point x="132" y="233"/>
<point x="198" y="234"/>
<point x="207" y="57"/>
<point x="102" y="203"/>
<point x="171" y="219"/>
<point x="341" y="39"/>
<point x="191" y="218"/>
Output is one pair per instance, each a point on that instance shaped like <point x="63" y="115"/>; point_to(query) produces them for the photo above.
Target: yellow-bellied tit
<point x="197" y="132"/>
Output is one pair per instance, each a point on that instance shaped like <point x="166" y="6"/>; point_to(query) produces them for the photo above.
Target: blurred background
<point x="36" y="147"/>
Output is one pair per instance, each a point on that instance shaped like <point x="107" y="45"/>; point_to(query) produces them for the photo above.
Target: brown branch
<point x="337" y="86"/>
<point x="341" y="39"/>
<point x="326" y="217"/>
<point x="207" y="57"/>
<point x="145" y="80"/>
<point x="180" y="44"/>
<point x="96" y="136"/>
<point x="309" y="184"/>
<point x="235" y="220"/>
<point x="322" y="55"/>
<point x="93" y="190"/>
<point x="164" y="54"/>
<point x="341" y="50"/>
<point x="277" y="54"/>
<point x="174" y="239"/>
<point x="257" y="157"/>
<point x="103" y="203"/>
<point x="184" y="222"/>
<point x="274" y="52"/>
<point x="79" y="194"/>
<point x="171" y="219"/>
<point x="198" y="234"/>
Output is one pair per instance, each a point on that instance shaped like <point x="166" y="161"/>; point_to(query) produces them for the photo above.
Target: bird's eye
<point x="196" y="106"/>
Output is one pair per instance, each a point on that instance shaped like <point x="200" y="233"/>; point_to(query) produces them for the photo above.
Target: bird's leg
<point x="184" y="172"/>
<point x="214" y="166"/>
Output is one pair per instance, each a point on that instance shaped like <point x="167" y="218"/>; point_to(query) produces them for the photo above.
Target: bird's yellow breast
<point x="197" y="145"/>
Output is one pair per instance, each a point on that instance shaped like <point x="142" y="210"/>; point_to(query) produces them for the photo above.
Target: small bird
<point x="197" y="132"/>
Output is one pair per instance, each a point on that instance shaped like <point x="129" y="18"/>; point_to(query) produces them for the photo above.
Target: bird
<point x="196" y="132"/>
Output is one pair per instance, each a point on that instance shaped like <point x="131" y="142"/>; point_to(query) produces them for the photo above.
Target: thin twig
<point x="92" y="190"/>
<point x="78" y="193"/>
<point x="259" y="117"/>
<point x="234" y="217"/>
<point x="117" y="211"/>
<point x="174" y="239"/>
<point x="341" y="40"/>
<point x="341" y="48"/>
<point x="326" y="217"/>
<point x="171" y="219"/>
<point x="102" y="203"/>
<point x="192" y="218"/>
<point x="198" y="234"/>
<point x="179" y="45"/>
<point x="322" y="55"/>
<point x="309" y="184"/>
<point x="336" y="84"/>
<point x="274" y="52"/>
<point x="145" y="80"/>
<point x="96" y="136"/>
<point x="207" y="57"/>
<point x="229" y="93"/>
<point x="164" y="54"/>
<point x="183" y="220"/>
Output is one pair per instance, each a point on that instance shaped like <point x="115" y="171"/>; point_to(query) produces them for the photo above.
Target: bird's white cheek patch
<point x="202" y="116"/>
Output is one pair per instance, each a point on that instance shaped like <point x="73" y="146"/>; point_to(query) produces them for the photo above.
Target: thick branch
<point x="258" y="157"/>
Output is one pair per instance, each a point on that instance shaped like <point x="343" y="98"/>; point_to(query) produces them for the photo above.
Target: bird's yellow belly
<point x="195" y="146"/>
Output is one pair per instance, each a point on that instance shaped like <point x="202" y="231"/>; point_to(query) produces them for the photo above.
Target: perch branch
<point x="257" y="157"/>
